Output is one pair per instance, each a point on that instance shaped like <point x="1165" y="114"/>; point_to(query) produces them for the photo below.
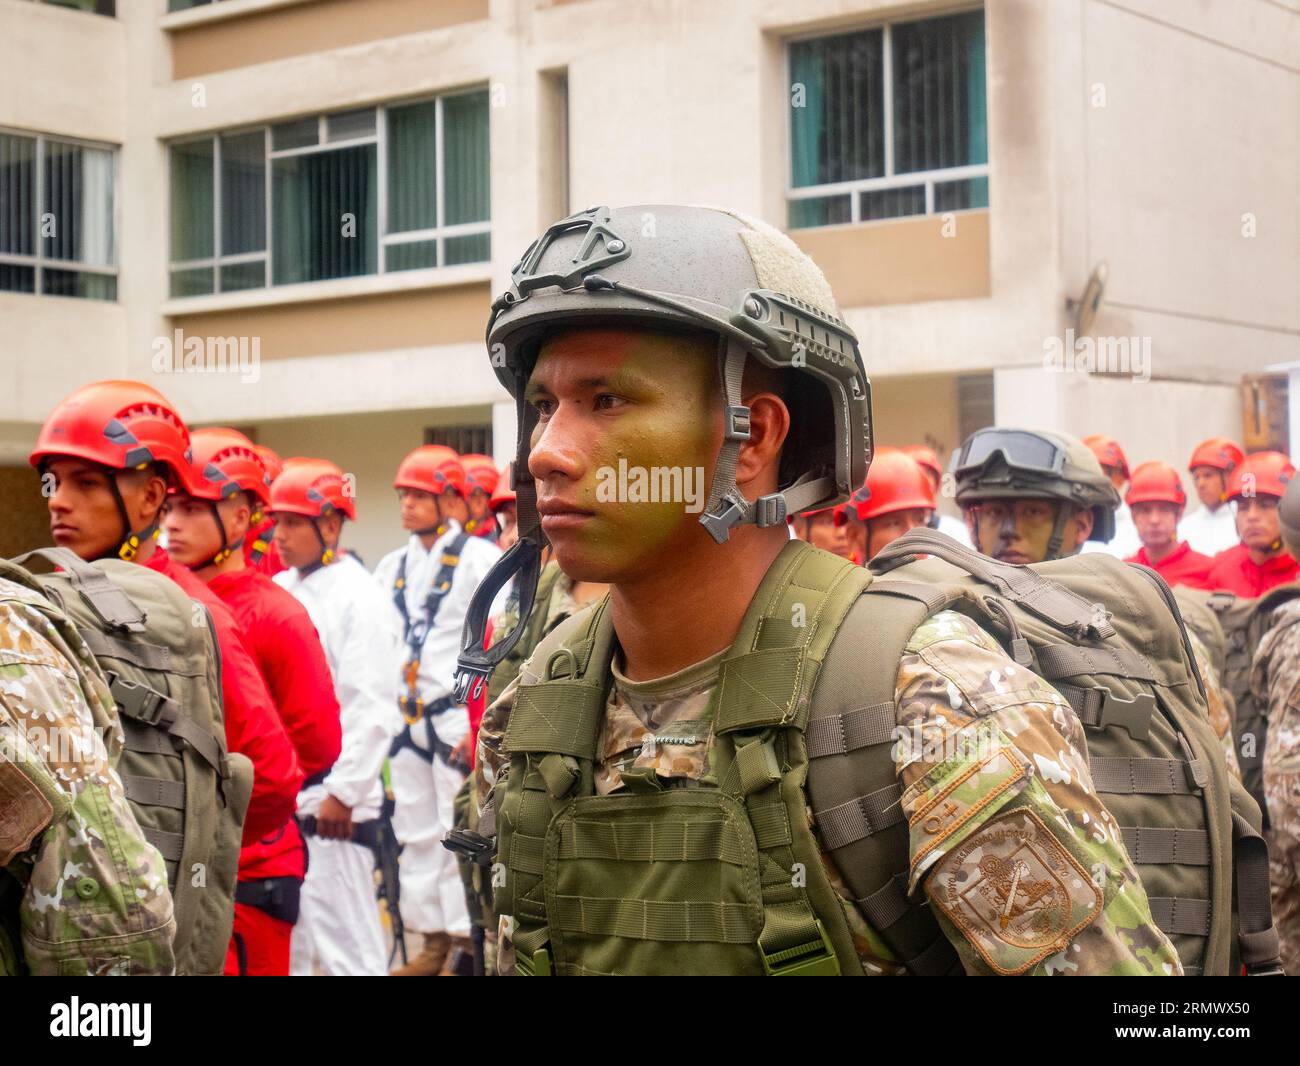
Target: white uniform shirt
<point x="1210" y="532"/>
<point x="361" y="646"/>
<point x="442" y="644"/>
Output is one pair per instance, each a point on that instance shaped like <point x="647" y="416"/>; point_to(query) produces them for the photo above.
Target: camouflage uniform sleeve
<point x="1216" y="704"/>
<point x="1024" y="866"/>
<point x="1275" y="684"/>
<point x="95" y="898"/>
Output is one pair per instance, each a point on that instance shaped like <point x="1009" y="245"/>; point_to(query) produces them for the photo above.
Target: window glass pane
<point x="940" y="115"/>
<point x="195" y="282"/>
<point x="78" y="283"/>
<point x="349" y="124"/>
<point x="465" y="158"/>
<point x="324" y="214"/>
<point x="961" y="195"/>
<point x="837" y="118"/>
<point x="191" y="181"/>
<point x="243" y="193"/>
<point x="892" y="203"/>
<point x="412" y="168"/>
<point x="299" y="133"/>
<point x="17" y="196"/>
<point x="820" y="211"/>
<point x="15" y="278"/>
<point x="411" y="256"/>
<point x="77" y="215"/>
<point x="472" y="248"/>
<point x="236" y="276"/>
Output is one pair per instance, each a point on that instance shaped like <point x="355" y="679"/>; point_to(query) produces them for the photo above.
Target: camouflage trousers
<point x="1284" y="880"/>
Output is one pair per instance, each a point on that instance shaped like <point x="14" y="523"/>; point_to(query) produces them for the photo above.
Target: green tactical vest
<point x="721" y="880"/>
<point x="700" y="880"/>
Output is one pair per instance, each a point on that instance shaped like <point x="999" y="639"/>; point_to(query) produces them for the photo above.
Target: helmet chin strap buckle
<point x="719" y="523"/>
<point x="770" y="510"/>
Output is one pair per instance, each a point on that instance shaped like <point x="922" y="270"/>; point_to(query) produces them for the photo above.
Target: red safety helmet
<point x="273" y="463"/>
<point x="1269" y="474"/>
<point x="432" y="468"/>
<point x="123" y="425"/>
<point x="225" y="461"/>
<point x="1156" y="482"/>
<point x="1108" y="452"/>
<point x="895" y="482"/>
<point x="927" y="457"/>
<point x="480" y="473"/>
<point x="503" y="496"/>
<point x="1218" y="452"/>
<point x="313" y="488"/>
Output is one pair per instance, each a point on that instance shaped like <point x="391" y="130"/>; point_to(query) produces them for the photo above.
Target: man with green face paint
<point x="648" y="787"/>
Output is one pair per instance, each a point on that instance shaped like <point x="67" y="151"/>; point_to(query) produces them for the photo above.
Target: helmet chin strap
<point x="130" y="545"/>
<point x="227" y="549"/>
<point x="1058" y="533"/>
<point x="524" y="561"/>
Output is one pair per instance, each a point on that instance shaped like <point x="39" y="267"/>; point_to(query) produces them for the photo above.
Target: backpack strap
<point x="1257" y="937"/>
<point x="1050" y="601"/>
<point x="764" y="696"/>
<point x="853" y="784"/>
<point x="112" y="605"/>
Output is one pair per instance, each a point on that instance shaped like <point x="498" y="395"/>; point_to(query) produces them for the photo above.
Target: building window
<point x="57" y="212"/>
<point x="464" y="440"/>
<point x="888" y="122"/>
<point x="185" y="5"/>
<point x="358" y="192"/>
<point x="95" y="7"/>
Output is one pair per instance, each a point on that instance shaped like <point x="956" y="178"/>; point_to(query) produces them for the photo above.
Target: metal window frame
<point x="384" y="239"/>
<point x="40" y="262"/>
<point x="889" y="180"/>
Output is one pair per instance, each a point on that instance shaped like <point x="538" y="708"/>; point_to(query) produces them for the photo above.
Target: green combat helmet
<point x="997" y="463"/>
<point x="675" y="267"/>
<point x="1288" y="515"/>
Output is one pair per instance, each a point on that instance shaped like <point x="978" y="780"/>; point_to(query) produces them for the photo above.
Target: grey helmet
<point x="672" y="267"/>
<point x="995" y="463"/>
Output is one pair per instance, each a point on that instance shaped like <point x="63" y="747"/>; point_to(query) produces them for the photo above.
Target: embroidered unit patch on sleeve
<point x="1015" y="892"/>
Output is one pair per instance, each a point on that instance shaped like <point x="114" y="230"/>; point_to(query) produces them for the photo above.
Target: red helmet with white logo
<point x="312" y="488"/>
<point x="1218" y="452"/>
<point x="225" y="461"/>
<point x="1156" y="482"/>
<point x="123" y="425"/>
<point x="480" y="473"/>
<point x="1261" y="474"/>
<point x="1108" y="452"/>
<point x="432" y="468"/>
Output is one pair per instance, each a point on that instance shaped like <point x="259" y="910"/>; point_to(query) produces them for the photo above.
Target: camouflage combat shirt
<point x="84" y="893"/>
<point x="989" y="731"/>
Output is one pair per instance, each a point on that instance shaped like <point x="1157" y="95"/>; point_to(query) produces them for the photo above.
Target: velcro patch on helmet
<point x="1015" y="892"/>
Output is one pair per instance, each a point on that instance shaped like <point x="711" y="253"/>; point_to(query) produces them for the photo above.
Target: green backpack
<point x="158" y="651"/>
<point x="1244" y="622"/>
<point x="1109" y="637"/>
<point x="698" y="880"/>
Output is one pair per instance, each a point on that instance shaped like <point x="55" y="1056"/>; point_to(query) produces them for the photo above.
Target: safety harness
<point x="415" y="632"/>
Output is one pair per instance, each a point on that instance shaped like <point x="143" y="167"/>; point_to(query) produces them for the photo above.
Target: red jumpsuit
<point x="283" y="641"/>
<point x="252" y="726"/>
<point x="1182" y="566"/>
<point x="1235" y="571"/>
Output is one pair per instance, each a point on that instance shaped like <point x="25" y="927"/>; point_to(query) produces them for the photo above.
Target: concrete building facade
<point x="1047" y="137"/>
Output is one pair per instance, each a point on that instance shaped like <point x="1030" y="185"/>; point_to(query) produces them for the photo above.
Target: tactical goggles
<point x="1018" y="449"/>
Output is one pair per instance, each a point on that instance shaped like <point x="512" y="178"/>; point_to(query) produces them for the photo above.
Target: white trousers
<point x="338" y="930"/>
<point x="433" y="895"/>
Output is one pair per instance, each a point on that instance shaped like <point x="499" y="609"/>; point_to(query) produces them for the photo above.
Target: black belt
<point x="367" y="834"/>
<point x="317" y="778"/>
<point x="277" y="896"/>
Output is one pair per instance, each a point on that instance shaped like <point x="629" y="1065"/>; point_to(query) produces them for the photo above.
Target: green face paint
<point x="624" y="452"/>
